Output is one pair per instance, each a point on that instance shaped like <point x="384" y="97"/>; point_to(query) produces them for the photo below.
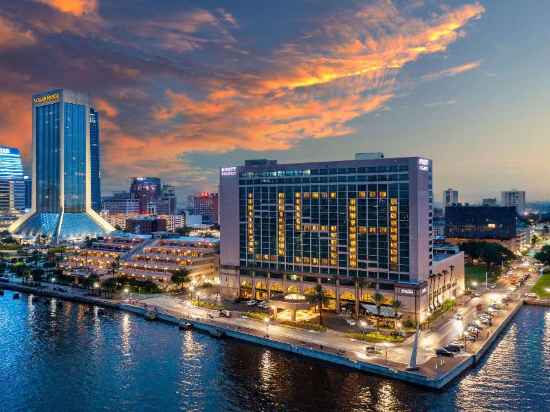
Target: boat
<point x="215" y="333"/>
<point x="150" y="315"/>
<point x="185" y="325"/>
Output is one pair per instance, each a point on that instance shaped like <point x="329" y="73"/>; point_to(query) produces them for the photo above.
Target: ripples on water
<point x="67" y="357"/>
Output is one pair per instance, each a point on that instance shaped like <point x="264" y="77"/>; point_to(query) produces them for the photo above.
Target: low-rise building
<point x="161" y="257"/>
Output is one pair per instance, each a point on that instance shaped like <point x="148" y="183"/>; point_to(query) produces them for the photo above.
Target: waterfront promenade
<point x="330" y="346"/>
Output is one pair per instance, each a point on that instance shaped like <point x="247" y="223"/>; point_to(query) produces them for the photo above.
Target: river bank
<point x="434" y="374"/>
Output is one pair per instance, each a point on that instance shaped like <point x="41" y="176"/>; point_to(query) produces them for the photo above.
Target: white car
<point x="251" y="303"/>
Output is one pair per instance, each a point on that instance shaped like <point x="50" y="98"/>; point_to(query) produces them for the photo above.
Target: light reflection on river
<point x="69" y="357"/>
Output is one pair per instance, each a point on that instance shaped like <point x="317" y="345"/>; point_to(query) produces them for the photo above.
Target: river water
<point x="69" y="357"/>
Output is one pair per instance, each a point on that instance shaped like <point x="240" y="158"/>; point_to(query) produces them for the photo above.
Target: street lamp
<point x="386" y="346"/>
<point x="363" y="325"/>
<point x="266" y="321"/>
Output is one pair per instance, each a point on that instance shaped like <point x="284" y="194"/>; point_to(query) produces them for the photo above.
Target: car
<point x="372" y="350"/>
<point x="477" y="294"/>
<point x="486" y="321"/>
<point x="457" y="343"/>
<point x="470" y="338"/>
<point x="444" y="352"/>
<point x="492" y="286"/>
<point x="531" y="295"/>
<point x="251" y="303"/>
<point x="224" y="313"/>
<point x="458" y="316"/>
<point x="453" y="348"/>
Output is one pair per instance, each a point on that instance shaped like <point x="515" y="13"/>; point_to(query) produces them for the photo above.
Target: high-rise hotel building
<point x="62" y="170"/>
<point x="287" y="227"/>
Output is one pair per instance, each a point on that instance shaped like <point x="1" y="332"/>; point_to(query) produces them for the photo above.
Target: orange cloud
<point x="74" y="7"/>
<point x="310" y="91"/>
<point x="13" y="37"/>
<point x="106" y="108"/>
<point x="453" y="71"/>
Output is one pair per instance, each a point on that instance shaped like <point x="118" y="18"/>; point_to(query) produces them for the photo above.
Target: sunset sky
<point x="185" y="87"/>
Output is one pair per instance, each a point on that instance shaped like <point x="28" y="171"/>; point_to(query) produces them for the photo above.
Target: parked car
<point x="458" y="316"/>
<point x="453" y="348"/>
<point x="251" y="303"/>
<point x="372" y="350"/>
<point x="470" y="337"/>
<point x="224" y="313"/>
<point x="444" y="352"/>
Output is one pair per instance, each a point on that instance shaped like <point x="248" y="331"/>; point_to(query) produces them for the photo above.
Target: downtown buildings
<point x="12" y="182"/>
<point x="206" y="205"/>
<point x="62" y="170"/>
<point x="514" y="198"/>
<point x="286" y="228"/>
<point x="450" y="197"/>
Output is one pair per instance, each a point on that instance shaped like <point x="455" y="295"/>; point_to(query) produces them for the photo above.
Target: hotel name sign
<point x="46" y="99"/>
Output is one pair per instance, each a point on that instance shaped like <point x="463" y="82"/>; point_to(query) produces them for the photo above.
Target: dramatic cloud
<point x="13" y="37"/>
<point x="172" y="79"/>
<point x="75" y="7"/>
<point x="453" y="71"/>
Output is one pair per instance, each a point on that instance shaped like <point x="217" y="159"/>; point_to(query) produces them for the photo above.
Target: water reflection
<point x="72" y="358"/>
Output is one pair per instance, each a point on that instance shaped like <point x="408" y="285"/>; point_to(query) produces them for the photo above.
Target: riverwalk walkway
<point x="331" y="346"/>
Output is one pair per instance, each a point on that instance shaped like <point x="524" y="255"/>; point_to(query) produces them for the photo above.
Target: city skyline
<point x="199" y="88"/>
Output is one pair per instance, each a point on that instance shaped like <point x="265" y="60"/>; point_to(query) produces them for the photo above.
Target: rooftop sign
<point x="46" y="99"/>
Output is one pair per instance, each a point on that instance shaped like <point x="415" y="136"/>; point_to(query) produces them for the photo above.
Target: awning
<point x="385" y="311"/>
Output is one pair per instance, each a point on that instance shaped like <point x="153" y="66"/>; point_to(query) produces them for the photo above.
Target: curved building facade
<point x="62" y="171"/>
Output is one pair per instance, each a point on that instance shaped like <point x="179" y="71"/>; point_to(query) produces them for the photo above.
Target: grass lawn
<point x="376" y="337"/>
<point x="542" y="284"/>
<point x="476" y="273"/>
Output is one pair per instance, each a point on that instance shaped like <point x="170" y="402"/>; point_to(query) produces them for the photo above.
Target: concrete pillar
<point x="293" y="315"/>
<point x="337" y="288"/>
<point x="253" y="285"/>
<point x="302" y="285"/>
<point x="284" y="283"/>
<point x="268" y="286"/>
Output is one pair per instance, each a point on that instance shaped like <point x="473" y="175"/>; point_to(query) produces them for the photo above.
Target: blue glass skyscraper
<point x="95" y="158"/>
<point x="62" y="178"/>
<point x="12" y="186"/>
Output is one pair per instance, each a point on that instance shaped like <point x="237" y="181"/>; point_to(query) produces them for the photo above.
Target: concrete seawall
<point x="217" y="329"/>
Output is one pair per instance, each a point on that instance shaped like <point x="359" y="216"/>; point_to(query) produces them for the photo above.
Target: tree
<point x="19" y="269"/>
<point x="396" y="305"/>
<point x="37" y="274"/>
<point x="544" y="255"/>
<point x="378" y="300"/>
<point x="115" y="264"/>
<point x="184" y="231"/>
<point x="360" y="283"/>
<point x="492" y="254"/>
<point x="319" y="298"/>
<point x="180" y="277"/>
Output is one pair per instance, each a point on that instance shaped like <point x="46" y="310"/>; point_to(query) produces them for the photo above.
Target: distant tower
<point x="450" y="197"/>
<point x="515" y="198"/>
<point x="12" y="184"/>
<point x="61" y="173"/>
<point x="95" y="160"/>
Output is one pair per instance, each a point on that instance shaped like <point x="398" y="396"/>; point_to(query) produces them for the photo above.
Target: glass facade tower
<point x="95" y="160"/>
<point x="12" y="185"/>
<point x="62" y="170"/>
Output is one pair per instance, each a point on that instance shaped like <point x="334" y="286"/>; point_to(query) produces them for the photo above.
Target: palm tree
<point x="396" y="304"/>
<point x="115" y="264"/>
<point x="180" y="277"/>
<point x="378" y="300"/>
<point x="445" y="272"/>
<point x="360" y="283"/>
<point x="319" y="298"/>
